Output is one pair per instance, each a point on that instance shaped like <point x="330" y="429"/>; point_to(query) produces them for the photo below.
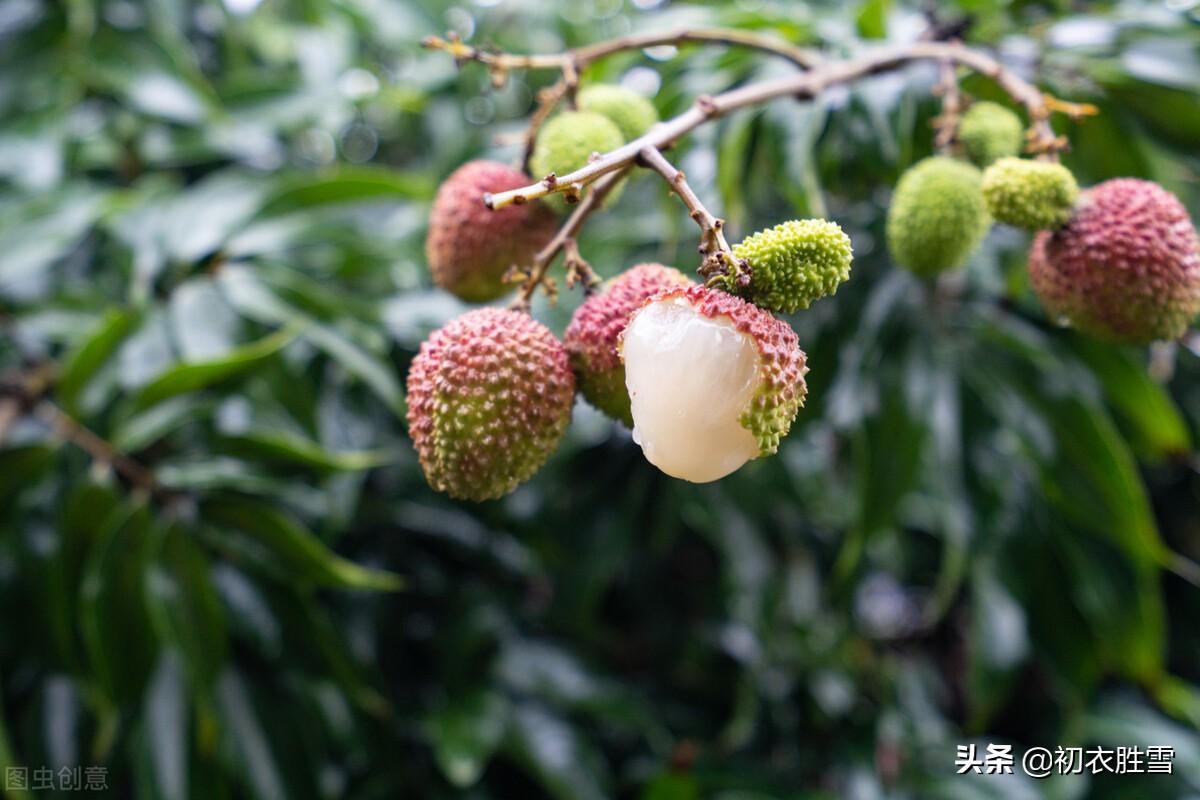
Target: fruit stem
<point x="718" y="261"/>
<point x="564" y="240"/>
<point x="945" y="124"/>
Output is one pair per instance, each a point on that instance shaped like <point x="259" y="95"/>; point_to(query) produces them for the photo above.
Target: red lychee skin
<point x="591" y="338"/>
<point x="782" y="389"/>
<point x="489" y="398"/>
<point x="1125" y="267"/>
<point x="469" y="247"/>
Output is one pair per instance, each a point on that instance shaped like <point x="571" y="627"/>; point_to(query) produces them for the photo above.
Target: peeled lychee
<point x="794" y="263"/>
<point x="470" y="248"/>
<point x="1036" y="195"/>
<point x="989" y="131"/>
<point x="713" y="381"/>
<point x="1125" y="268"/>
<point x="631" y="112"/>
<point x="489" y="398"/>
<point x="591" y="338"/>
<point x="937" y="217"/>
<point x="566" y="143"/>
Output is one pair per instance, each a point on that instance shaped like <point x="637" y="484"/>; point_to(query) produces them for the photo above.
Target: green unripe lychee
<point x="989" y="131"/>
<point x="794" y="263"/>
<point x="566" y="143"/>
<point x="470" y="248"/>
<point x="632" y="112"/>
<point x="591" y="338"/>
<point x="1125" y="267"/>
<point x="714" y="381"/>
<point x="937" y="217"/>
<point x="489" y="398"/>
<point x="1029" y="194"/>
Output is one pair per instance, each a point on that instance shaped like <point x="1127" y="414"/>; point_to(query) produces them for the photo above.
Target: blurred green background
<point x="211" y="254"/>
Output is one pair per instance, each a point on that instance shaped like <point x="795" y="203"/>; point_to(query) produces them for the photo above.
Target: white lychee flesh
<point x="690" y="378"/>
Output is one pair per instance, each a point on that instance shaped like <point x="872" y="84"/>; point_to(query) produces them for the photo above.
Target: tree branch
<point x="501" y="63"/>
<point x="717" y="257"/>
<point x="99" y="449"/>
<point x="565" y="240"/>
<point x="803" y="86"/>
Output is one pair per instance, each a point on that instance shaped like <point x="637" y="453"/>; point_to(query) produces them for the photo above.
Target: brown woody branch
<point x="717" y="259"/>
<point x="804" y="86"/>
<point x="564" y="240"/>
<point x="580" y="57"/>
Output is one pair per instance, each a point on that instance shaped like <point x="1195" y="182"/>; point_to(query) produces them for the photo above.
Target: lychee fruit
<point x="937" y="217"/>
<point x="989" y="131"/>
<point x="470" y="248"/>
<point x="1125" y="267"/>
<point x="1036" y="195"/>
<point x="566" y="143"/>
<point x="632" y="113"/>
<point x="794" y="263"/>
<point x="489" y="398"/>
<point x="714" y="381"/>
<point x="591" y="337"/>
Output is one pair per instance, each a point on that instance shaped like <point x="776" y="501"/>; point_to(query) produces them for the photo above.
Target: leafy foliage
<point x="211" y="227"/>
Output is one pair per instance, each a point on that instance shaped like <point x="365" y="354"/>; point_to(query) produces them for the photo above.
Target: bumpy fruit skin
<point x="989" y="131"/>
<point x="1125" y="268"/>
<point x="1036" y="195"/>
<point x="781" y="390"/>
<point x="937" y="217"/>
<point x="632" y="113"/>
<point x="566" y="142"/>
<point x="469" y="248"/>
<point x="794" y="264"/>
<point x="489" y="398"/>
<point x="591" y="337"/>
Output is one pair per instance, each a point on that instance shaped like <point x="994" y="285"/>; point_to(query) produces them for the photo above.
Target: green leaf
<point x="872" y="19"/>
<point x="91" y="354"/>
<point x="201" y="375"/>
<point x="346" y="184"/>
<point x="293" y="448"/>
<point x="672" y="786"/>
<point x="165" y="717"/>
<point x="116" y="627"/>
<point x="7" y="758"/>
<point x="561" y="760"/>
<point x="185" y="607"/>
<point x="249" y="739"/>
<point x="466" y="733"/>
<point x="306" y="557"/>
<point x="1157" y="429"/>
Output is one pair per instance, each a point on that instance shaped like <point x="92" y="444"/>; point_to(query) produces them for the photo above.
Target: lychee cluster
<point x="1125" y="267"/>
<point x="937" y="217"/>
<point x="469" y="247"/>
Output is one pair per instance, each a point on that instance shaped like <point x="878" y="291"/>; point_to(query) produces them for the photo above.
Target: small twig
<point x="717" y="259"/>
<point x="579" y="271"/>
<point x="563" y="240"/>
<point x="804" y="86"/>
<point x="946" y="124"/>
<point x="583" y="56"/>
<point x="100" y="450"/>
<point x="548" y="100"/>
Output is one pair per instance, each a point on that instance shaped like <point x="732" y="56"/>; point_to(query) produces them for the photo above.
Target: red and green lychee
<point x="489" y="398"/>
<point x="469" y="247"/>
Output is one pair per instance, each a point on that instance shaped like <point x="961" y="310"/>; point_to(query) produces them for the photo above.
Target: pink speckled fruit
<point x="1125" y="267"/>
<point x="591" y="338"/>
<point x="713" y="380"/>
<point x="489" y="398"/>
<point x="470" y="248"/>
